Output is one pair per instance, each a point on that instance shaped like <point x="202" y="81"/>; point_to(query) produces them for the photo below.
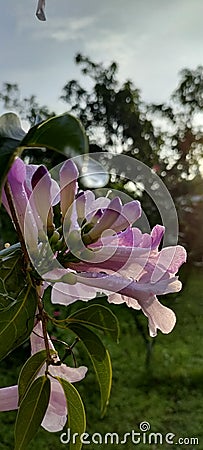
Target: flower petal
<point x="159" y="316"/>
<point x="69" y="186"/>
<point x="9" y="398"/>
<point x="56" y="413"/>
<point x="65" y="294"/>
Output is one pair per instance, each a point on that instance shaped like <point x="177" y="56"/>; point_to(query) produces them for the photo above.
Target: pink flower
<point x="99" y="250"/>
<point x="34" y="212"/>
<point x="126" y="265"/>
<point x="154" y="275"/>
<point x="19" y="195"/>
<point x="56" y="414"/>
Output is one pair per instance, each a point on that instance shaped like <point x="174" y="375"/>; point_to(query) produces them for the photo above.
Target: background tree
<point x="167" y="137"/>
<point x="113" y="114"/>
<point x="183" y="120"/>
<point x="28" y="108"/>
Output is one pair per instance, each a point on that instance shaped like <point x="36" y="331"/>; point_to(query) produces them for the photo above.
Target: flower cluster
<point x="95" y="248"/>
<point x="56" y="414"/>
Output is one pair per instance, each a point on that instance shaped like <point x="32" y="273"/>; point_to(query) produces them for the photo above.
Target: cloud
<point x="59" y="29"/>
<point x="151" y="41"/>
<point x="63" y="25"/>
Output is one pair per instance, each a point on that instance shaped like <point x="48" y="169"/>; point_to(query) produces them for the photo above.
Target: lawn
<point x="166" y="391"/>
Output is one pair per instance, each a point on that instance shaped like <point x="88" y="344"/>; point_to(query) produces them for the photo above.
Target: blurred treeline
<point x="168" y="138"/>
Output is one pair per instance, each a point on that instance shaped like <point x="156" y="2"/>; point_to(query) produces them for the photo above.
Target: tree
<point x="116" y="120"/>
<point x="184" y="133"/>
<point x="184" y="139"/>
<point x="28" y="107"/>
<point x="113" y="114"/>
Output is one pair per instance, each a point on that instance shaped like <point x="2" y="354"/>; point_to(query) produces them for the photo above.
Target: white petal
<point x="56" y="414"/>
<point x="159" y="316"/>
<point x="65" y="294"/>
<point x="9" y="398"/>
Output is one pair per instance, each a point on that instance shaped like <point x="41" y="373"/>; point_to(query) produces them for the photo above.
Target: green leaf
<point x="8" y="151"/>
<point x="100" y="359"/>
<point x="31" y="412"/>
<point x="29" y="372"/>
<point x="17" y="320"/>
<point x="76" y="414"/>
<point x="11" y="135"/>
<point x="10" y="250"/>
<point x="63" y="133"/>
<point x="99" y="317"/>
<point x="12" y="278"/>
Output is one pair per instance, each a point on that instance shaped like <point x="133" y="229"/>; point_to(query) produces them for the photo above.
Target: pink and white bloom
<point x="133" y="275"/>
<point x="34" y="211"/>
<point x="99" y="250"/>
<point x="56" y="414"/>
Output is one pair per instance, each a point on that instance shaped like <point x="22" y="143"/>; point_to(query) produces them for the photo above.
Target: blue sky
<point x="152" y="40"/>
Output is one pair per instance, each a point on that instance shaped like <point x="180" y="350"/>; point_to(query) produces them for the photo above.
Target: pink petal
<point x="56" y="414"/>
<point x="118" y="299"/>
<point x="169" y="260"/>
<point x="37" y="339"/>
<point x="41" y="185"/>
<point x="107" y="220"/>
<point x="130" y="213"/>
<point x="16" y="179"/>
<point x="156" y="235"/>
<point x="65" y="294"/>
<point x="71" y="374"/>
<point x="159" y="316"/>
<point x="9" y="398"/>
<point x="69" y="186"/>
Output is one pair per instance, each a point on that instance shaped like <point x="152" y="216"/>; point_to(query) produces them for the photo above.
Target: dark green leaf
<point x="12" y="278"/>
<point x="8" y="151"/>
<point x="63" y="133"/>
<point x="76" y="414"/>
<point x="16" y="321"/>
<point x="31" y="412"/>
<point x="100" y="359"/>
<point x="29" y="372"/>
<point x="11" y="135"/>
<point x="97" y="316"/>
<point x="10" y="250"/>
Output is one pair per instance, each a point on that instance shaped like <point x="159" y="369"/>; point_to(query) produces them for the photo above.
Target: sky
<point x="151" y="40"/>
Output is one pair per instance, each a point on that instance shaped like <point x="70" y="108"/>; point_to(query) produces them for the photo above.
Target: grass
<point x="167" y="392"/>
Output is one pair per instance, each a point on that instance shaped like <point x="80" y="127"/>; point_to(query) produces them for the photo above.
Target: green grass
<point x="167" y="393"/>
